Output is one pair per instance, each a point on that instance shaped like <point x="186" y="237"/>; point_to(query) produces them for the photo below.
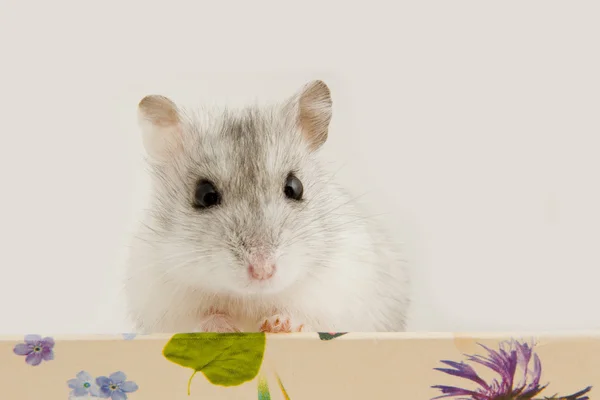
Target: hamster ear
<point x="160" y="123"/>
<point x="313" y="112"/>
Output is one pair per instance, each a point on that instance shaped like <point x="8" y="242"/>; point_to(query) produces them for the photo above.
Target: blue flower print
<point x="84" y="384"/>
<point x="129" y="336"/>
<point x="36" y="349"/>
<point x="115" y="387"/>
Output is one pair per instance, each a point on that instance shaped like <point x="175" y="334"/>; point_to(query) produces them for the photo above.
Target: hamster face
<point x="243" y="207"/>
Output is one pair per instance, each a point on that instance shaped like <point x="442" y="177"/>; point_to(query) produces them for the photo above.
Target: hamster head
<point x="239" y="203"/>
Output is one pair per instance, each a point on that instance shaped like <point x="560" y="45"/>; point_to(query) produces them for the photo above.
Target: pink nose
<point x="261" y="272"/>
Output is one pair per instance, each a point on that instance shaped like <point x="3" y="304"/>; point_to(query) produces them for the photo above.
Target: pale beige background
<point x="474" y="125"/>
<point x="384" y="366"/>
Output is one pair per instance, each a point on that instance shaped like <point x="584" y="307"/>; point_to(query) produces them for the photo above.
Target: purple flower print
<point x="115" y="387"/>
<point x="36" y="349"/>
<point x="519" y="370"/>
<point x="84" y="384"/>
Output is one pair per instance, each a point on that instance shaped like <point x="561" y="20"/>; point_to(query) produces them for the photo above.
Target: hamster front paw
<point x="282" y="324"/>
<point x="218" y="323"/>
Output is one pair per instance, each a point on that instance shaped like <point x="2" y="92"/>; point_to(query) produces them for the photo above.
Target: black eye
<point x="206" y="195"/>
<point x="293" y="188"/>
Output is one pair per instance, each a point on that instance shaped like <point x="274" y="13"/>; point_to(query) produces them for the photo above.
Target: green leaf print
<point x="226" y="359"/>
<point x="330" y="335"/>
<point x="263" y="389"/>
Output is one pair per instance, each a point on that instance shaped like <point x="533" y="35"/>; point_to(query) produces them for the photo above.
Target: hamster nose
<point x="261" y="272"/>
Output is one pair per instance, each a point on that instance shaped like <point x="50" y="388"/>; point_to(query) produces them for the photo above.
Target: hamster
<point x="246" y="232"/>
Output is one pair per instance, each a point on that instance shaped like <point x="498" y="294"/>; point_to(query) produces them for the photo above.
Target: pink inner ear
<point x="159" y="110"/>
<point x="315" y="113"/>
<point x="162" y="127"/>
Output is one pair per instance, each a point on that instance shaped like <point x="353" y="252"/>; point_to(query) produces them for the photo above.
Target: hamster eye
<point x="206" y="195"/>
<point x="293" y="188"/>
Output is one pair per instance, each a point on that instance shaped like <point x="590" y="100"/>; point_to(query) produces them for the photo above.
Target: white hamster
<point x="245" y="231"/>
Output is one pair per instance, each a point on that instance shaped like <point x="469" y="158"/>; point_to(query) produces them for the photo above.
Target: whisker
<point x="328" y="228"/>
<point x="328" y="212"/>
<point x="170" y="257"/>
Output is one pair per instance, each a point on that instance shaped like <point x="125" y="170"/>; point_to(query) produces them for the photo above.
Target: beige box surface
<point x="300" y="366"/>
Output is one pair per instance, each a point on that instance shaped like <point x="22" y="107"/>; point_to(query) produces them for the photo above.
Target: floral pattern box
<point x="300" y="366"/>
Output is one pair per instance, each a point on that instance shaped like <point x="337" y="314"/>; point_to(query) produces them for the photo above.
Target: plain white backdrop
<point x="472" y="125"/>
